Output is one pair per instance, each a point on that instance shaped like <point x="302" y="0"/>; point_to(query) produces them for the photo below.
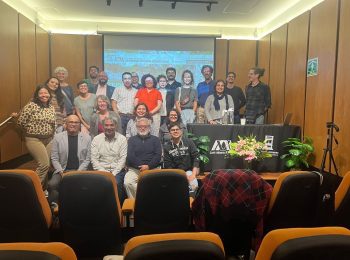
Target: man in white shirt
<point x="123" y="100"/>
<point x="102" y="88"/>
<point x="108" y="153"/>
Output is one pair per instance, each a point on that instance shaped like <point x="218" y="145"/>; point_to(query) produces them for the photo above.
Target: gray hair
<point x="103" y="98"/>
<point x="61" y="69"/>
<point x="111" y="119"/>
<point x="143" y="119"/>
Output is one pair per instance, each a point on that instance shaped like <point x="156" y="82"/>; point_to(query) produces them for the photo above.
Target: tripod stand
<point x="329" y="147"/>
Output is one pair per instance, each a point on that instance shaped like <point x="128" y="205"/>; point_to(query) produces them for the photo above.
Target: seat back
<point x="162" y="202"/>
<point x="323" y="243"/>
<point x="34" y="251"/>
<point x="174" y="246"/>
<point x="25" y="215"/>
<point x="342" y="203"/>
<point x="89" y="213"/>
<point x="294" y="201"/>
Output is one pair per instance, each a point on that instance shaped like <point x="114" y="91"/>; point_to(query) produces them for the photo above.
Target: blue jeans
<point x="124" y="118"/>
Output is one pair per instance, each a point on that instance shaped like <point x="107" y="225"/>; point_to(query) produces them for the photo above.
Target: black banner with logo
<point x="221" y="136"/>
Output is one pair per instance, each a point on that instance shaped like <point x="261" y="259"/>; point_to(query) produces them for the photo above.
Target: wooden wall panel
<point x="42" y="55"/>
<point x="27" y="65"/>
<point x="27" y="62"/>
<point x="242" y="57"/>
<point x="10" y="141"/>
<point x="264" y="56"/>
<point x="342" y="104"/>
<point x="68" y="50"/>
<point x="94" y="51"/>
<point x="319" y="89"/>
<point x="297" y="46"/>
<point x="221" y="58"/>
<point x="277" y="73"/>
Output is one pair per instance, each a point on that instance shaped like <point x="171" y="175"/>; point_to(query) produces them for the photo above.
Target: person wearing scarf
<point x="217" y="103"/>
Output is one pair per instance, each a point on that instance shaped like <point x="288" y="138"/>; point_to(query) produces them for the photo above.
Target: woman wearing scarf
<point x="217" y="103"/>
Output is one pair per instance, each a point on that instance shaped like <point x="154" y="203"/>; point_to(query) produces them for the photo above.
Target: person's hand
<point x="191" y="177"/>
<point x="14" y="115"/>
<point x="144" y="167"/>
<point x="195" y="170"/>
<point x="212" y="122"/>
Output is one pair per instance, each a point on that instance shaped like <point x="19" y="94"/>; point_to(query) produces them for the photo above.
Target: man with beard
<point x="92" y="81"/>
<point x="204" y="89"/>
<point x="108" y="153"/>
<point x="135" y="81"/>
<point x="144" y="153"/>
<point x="237" y="95"/>
<point x="123" y="100"/>
<point x="102" y="88"/>
<point x="171" y="87"/>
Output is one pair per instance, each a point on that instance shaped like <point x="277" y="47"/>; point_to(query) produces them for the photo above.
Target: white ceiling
<point x="247" y="19"/>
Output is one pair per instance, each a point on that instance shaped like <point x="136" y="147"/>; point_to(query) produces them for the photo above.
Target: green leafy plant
<point x="298" y="152"/>
<point x="202" y="144"/>
<point x="249" y="149"/>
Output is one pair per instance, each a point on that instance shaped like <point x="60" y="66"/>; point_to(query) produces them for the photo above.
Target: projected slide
<point x="155" y="62"/>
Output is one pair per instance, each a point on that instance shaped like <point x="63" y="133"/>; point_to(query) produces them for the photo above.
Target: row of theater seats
<point x="281" y="244"/>
<point x="91" y="219"/>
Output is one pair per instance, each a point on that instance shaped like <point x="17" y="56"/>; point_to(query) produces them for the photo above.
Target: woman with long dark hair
<point x="37" y="120"/>
<point x="57" y="101"/>
<point x="217" y="103"/>
<point x="173" y="117"/>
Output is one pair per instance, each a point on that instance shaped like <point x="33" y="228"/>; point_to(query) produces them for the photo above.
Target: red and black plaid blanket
<point x="224" y="188"/>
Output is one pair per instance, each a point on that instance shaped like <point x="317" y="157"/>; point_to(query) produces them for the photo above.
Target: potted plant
<point x="202" y="143"/>
<point x="299" y="152"/>
<point x="249" y="149"/>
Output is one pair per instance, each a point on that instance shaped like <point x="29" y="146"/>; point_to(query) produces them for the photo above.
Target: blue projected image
<point x="155" y="62"/>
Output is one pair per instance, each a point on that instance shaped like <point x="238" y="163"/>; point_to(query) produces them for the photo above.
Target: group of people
<point x="132" y="128"/>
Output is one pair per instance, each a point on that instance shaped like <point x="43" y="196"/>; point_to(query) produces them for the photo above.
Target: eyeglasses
<point x="175" y="130"/>
<point x="142" y="126"/>
<point x="172" y="115"/>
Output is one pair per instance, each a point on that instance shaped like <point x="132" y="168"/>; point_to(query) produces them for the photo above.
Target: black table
<point x="221" y="136"/>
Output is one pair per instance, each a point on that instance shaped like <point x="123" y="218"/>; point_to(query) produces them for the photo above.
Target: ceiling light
<point x="173" y="5"/>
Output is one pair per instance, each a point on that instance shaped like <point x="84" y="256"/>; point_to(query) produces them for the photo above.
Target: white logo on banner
<point x="220" y="147"/>
<point x="269" y="142"/>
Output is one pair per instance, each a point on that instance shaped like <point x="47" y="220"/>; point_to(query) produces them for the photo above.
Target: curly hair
<point x="36" y="99"/>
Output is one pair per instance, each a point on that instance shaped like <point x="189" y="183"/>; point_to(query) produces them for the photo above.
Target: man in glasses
<point x="181" y="153"/>
<point x="70" y="151"/>
<point x="144" y="153"/>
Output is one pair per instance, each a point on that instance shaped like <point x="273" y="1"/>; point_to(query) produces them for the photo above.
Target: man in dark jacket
<point x="144" y="153"/>
<point x="181" y="153"/>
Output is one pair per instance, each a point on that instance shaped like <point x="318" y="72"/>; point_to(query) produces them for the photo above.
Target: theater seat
<point x="89" y="213"/>
<point x="294" y="201"/>
<point x="25" y="215"/>
<point x="342" y="203"/>
<point x="324" y="243"/>
<point x="175" y="246"/>
<point x="162" y="202"/>
<point x="35" y="251"/>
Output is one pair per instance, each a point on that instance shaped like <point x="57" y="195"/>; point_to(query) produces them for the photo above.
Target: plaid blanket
<point x="224" y="188"/>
